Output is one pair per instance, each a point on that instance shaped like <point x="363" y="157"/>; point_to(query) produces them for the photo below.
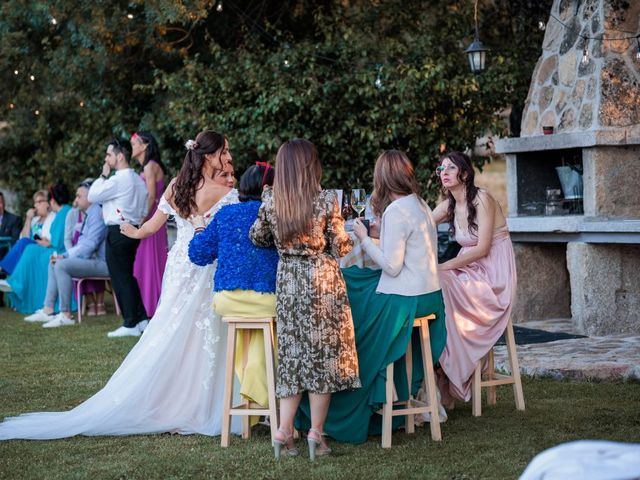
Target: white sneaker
<point x="4" y="286"/>
<point x="125" y="332"/>
<point x="60" y="320"/>
<point x="39" y="316"/>
<point x="142" y="325"/>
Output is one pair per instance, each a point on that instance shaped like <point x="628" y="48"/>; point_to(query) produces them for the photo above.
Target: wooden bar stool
<point x="80" y="297"/>
<point x="245" y="408"/>
<point x="493" y="379"/>
<point x="413" y="406"/>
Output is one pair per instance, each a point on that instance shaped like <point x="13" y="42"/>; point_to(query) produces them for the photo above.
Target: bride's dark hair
<point x="190" y="178"/>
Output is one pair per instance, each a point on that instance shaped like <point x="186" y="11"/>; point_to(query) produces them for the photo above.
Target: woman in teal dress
<point x="385" y="302"/>
<point x="29" y="279"/>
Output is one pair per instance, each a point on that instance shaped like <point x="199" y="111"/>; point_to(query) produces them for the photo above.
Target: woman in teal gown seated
<point x="29" y="279"/>
<point x="385" y="302"/>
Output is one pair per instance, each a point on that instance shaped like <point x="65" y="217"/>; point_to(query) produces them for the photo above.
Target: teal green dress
<point x="383" y="326"/>
<point x="29" y="279"/>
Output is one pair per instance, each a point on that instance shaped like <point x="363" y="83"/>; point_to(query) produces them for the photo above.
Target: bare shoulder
<point x="485" y="200"/>
<point x="444" y="205"/>
<point x="169" y="191"/>
<point x="440" y="211"/>
<point x="153" y="170"/>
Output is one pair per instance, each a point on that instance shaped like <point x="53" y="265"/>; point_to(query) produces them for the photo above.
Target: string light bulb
<point x="130" y="16"/>
<point x="32" y="77"/>
<point x="219" y="7"/>
<point x="286" y="63"/>
<point x="54" y="21"/>
<point x="11" y="106"/>
<point x="36" y="113"/>
<point x="16" y="72"/>
<point x="81" y="104"/>
<point x="378" y="81"/>
<point x="542" y="26"/>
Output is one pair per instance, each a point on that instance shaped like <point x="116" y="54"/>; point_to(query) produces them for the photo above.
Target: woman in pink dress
<point x="152" y="252"/>
<point x="479" y="284"/>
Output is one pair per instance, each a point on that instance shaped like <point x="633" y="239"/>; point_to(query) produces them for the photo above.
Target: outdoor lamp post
<point x="476" y="52"/>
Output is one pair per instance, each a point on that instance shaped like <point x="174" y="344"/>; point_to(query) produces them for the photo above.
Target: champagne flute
<point x="358" y="200"/>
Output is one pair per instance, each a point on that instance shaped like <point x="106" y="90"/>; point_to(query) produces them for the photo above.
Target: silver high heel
<point x="316" y="447"/>
<point x="278" y="444"/>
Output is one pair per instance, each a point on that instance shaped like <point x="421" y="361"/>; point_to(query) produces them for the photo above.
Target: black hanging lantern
<point x="476" y="52"/>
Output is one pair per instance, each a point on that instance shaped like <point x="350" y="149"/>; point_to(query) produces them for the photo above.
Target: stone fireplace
<point x="578" y="246"/>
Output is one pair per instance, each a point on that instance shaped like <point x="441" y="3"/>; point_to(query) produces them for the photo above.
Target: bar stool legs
<point x="413" y="406"/>
<point x="245" y="408"/>
<point x="494" y="379"/>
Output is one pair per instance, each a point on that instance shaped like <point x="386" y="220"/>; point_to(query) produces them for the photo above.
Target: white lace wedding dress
<point x="172" y="380"/>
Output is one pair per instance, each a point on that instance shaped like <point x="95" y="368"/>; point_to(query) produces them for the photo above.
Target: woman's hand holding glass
<point x="359" y="229"/>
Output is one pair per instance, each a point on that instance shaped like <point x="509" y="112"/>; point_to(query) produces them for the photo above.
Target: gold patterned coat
<point x="316" y="341"/>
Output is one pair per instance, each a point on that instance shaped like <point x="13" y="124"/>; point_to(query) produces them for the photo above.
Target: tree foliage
<point x="355" y="77"/>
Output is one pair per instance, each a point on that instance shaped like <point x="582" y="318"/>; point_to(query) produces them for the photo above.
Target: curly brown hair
<point x="466" y="175"/>
<point x="190" y="178"/>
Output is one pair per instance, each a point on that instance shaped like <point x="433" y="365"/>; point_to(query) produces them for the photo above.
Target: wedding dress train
<point x="172" y="380"/>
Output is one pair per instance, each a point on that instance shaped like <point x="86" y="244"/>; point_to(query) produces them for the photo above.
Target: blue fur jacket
<point x="241" y="265"/>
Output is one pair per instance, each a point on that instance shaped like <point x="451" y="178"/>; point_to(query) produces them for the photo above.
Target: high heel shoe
<point x="289" y="447"/>
<point x="316" y="446"/>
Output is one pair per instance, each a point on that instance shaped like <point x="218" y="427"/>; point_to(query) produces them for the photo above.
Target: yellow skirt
<point x="250" y="366"/>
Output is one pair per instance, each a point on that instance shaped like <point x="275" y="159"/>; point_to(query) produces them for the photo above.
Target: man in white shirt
<point x="124" y="200"/>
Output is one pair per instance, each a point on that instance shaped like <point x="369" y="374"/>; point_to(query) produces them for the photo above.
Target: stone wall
<point x="605" y="288"/>
<point x="543" y="282"/>
<point x="612" y="181"/>
<point x="601" y="94"/>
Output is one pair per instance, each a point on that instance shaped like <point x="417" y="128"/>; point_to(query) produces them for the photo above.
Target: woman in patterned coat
<point x="316" y="342"/>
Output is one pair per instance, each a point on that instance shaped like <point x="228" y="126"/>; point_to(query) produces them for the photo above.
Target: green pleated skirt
<point x="383" y="326"/>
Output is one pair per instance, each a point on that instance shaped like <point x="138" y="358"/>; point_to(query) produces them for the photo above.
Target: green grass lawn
<point x="43" y="369"/>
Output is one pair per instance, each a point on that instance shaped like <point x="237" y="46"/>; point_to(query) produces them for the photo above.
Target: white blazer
<point x="408" y="252"/>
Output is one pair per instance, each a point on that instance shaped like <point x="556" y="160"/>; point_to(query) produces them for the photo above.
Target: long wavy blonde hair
<point x="393" y="174"/>
<point x="296" y="187"/>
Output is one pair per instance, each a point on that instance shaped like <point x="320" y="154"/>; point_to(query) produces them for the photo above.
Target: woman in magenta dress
<point x="479" y="284"/>
<point x="152" y="252"/>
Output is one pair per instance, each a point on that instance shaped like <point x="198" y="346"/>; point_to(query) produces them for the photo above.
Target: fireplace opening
<point x="549" y="182"/>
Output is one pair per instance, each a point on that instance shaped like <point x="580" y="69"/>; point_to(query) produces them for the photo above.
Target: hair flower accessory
<point x="191" y="145"/>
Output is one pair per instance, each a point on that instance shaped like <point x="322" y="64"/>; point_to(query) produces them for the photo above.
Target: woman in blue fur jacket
<point x="245" y="278"/>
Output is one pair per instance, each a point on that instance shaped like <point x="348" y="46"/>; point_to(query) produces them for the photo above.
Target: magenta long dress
<point x="478" y="299"/>
<point x="151" y="259"/>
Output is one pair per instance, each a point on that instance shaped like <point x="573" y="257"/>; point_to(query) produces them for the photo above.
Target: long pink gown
<point x="151" y="259"/>
<point x="478" y="299"/>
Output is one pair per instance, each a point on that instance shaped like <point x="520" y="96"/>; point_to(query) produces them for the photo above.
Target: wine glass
<point x="358" y="200"/>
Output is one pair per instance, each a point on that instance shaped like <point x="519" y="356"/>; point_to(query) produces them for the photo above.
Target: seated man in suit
<point x="85" y="259"/>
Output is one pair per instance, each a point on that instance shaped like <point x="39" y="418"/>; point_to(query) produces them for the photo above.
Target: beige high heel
<point x="289" y="447"/>
<point x="316" y="446"/>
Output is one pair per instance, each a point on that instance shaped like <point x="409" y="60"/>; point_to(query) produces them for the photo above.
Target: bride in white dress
<point x="172" y="379"/>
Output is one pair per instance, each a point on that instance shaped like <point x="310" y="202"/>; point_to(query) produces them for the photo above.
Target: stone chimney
<point x="578" y="256"/>
<point x="601" y="94"/>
